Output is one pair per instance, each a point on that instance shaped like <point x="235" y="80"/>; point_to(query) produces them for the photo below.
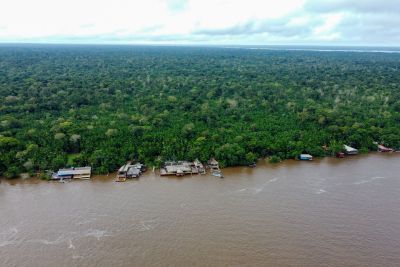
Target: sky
<point x="202" y="22"/>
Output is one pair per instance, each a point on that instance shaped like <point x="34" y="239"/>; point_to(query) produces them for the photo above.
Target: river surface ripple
<point x="329" y="212"/>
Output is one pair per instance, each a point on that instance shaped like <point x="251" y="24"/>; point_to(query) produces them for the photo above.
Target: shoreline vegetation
<point x="101" y="106"/>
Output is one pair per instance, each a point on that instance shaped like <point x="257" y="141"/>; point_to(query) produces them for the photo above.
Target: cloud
<point x="177" y="5"/>
<point x="362" y="22"/>
<point x="357" y="6"/>
<point x="277" y="27"/>
<point x="366" y="22"/>
<point x="202" y="21"/>
<point x="375" y="29"/>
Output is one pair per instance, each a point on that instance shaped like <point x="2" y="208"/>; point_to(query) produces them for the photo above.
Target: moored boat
<point x="217" y="174"/>
<point x="340" y="155"/>
<point x="180" y="172"/>
<point x="305" y="157"/>
<point x="350" y="150"/>
<point x="382" y="148"/>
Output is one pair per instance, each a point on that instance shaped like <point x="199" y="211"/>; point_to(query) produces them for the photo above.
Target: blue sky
<point x="252" y="22"/>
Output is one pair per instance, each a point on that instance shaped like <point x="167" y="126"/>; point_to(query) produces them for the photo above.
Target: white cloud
<point x="41" y="18"/>
<point x="196" y="21"/>
<point x="327" y="31"/>
<point x="45" y="18"/>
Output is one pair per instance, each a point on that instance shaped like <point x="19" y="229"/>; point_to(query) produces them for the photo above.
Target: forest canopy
<point x="102" y="105"/>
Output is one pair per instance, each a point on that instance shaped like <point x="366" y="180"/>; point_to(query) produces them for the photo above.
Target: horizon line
<point x="227" y="45"/>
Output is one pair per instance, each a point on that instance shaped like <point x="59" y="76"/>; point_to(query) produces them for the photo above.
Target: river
<point x="329" y="212"/>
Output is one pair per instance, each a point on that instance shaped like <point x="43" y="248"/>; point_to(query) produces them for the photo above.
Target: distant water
<point x="359" y="49"/>
<point x="329" y="212"/>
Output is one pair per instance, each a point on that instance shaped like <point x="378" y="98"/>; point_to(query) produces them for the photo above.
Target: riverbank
<point x="262" y="163"/>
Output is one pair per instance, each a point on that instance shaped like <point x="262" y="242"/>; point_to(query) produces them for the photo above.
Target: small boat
<point x="141" y="167"/>
<point x="350" y="150"/>
<point x="382" y="148"/>
<point x="340" y="155"/>
<point x="180" y="172"/>
<point x="305" y="157"/>
<point x="217" y="174"/>
<point x="133" y="172"/>
<point x="253" y="165"/>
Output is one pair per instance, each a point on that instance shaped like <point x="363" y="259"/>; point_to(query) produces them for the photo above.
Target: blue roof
<point x="62" y="173"/>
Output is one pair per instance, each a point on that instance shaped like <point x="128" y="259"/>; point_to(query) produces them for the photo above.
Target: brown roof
<point x="213" y="161"/>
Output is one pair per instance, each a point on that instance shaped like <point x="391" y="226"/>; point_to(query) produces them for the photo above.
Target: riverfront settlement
<point x="180" y="168"/>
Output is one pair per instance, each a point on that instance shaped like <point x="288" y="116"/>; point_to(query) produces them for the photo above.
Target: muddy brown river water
<point x="329" y="212"/>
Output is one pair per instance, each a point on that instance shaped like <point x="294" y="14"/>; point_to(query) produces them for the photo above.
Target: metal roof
<point x="74" y="171"/>
<point x="348" y="148"/>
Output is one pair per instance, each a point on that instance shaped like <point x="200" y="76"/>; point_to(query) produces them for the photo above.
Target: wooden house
<point x="213" y="164"/>
<point x="130" y="170"/>
<point x="179" y="168"/>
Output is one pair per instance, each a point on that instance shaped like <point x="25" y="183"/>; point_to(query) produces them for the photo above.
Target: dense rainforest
<point x="102" y="105"/>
